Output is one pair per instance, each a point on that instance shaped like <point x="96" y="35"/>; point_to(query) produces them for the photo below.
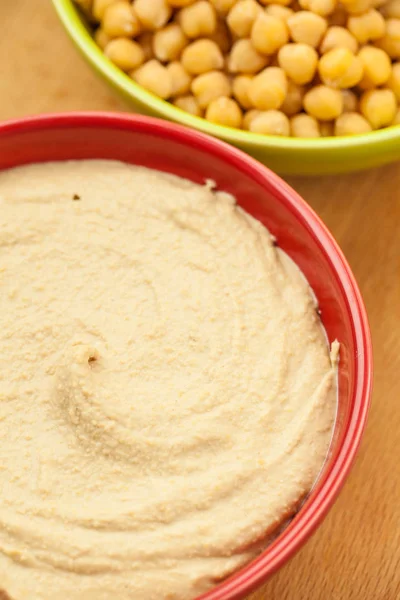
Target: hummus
<point x="167" y="394"/>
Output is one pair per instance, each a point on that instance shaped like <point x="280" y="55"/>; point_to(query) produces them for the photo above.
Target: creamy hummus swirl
<point x="167" y="394"/>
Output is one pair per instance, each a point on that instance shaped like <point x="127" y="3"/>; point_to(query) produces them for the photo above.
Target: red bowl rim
<point x="286" y="545"/>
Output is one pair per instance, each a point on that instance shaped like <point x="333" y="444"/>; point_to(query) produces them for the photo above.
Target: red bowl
<point x="299" y="232"/>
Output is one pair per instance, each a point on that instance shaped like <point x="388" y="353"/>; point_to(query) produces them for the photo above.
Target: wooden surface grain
<point x="355" y="554"/>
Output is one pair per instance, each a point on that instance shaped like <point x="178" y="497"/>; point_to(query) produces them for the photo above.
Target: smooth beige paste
<point x="167" y="394"/>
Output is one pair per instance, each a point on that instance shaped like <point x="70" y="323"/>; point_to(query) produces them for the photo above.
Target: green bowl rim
<point x="74" y="25"/>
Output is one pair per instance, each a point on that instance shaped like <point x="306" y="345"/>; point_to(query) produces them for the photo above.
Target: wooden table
<point x="355" y="555"/>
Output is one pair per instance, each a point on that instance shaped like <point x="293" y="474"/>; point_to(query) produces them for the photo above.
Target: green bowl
<point x="282" y="154"/>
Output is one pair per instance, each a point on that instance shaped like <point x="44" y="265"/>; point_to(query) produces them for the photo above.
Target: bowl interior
<point x="299" y="232"/>
<point x="283" y="154"/>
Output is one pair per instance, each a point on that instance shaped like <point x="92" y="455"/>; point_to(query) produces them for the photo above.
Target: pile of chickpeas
<point x="305" y="68"/>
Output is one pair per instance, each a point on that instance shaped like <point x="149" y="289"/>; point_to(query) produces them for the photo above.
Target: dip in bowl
<point x="297" y="231"/>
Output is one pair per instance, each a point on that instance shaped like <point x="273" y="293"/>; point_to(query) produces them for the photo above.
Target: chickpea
<point x="224" y="111"/>
<point x="367" y="27"/>
<point x="394" y="80"/>
<point x="391" y="9"/>
<point x="222" y="37"/>
<point x="126" y="54"/>
<point x="198" y="19"/>
<point x="188" y="104"/>
<point x="268" y="89"/>
<point x="155" y="78"/>
<point x="307" y="28"/>
<point x="240" y="90"/>
<point x="101" y="38"/>
<point x="356" y="6"/>
<point x="304" y="126"/>
<point x="223" y="6"/>
<point x="323" y="103"/>
<point x="270" y="122"/>
<point x="339" y="68"/>
<point x="99" y="8"/>
<point x="244" y="58"/>
<point x="378" y="107"/>
<point x="180" y="79"/>
<point x="293" y="103"/>
<point x="169" y="42"/>
<point x="338" y="37"/>
<point x="390" y="42"/>
<point x="248" y="117"/>
<point x="299" y="61"/>
<point x="326" y="128"/>
<point x="209" y="87"/>
<point x="241" y="17"/>
<point x="319" y="7"/>
<point x="201" y="56"/>
<point x="377" y="67"/>
<point x="351" y="123"/>
<point x="269" y="33"/>
<point x="350" y="101"/>
<point x="282" y="12"/>
<point x="120" y="20"/>
<point x="152" y="15"/>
